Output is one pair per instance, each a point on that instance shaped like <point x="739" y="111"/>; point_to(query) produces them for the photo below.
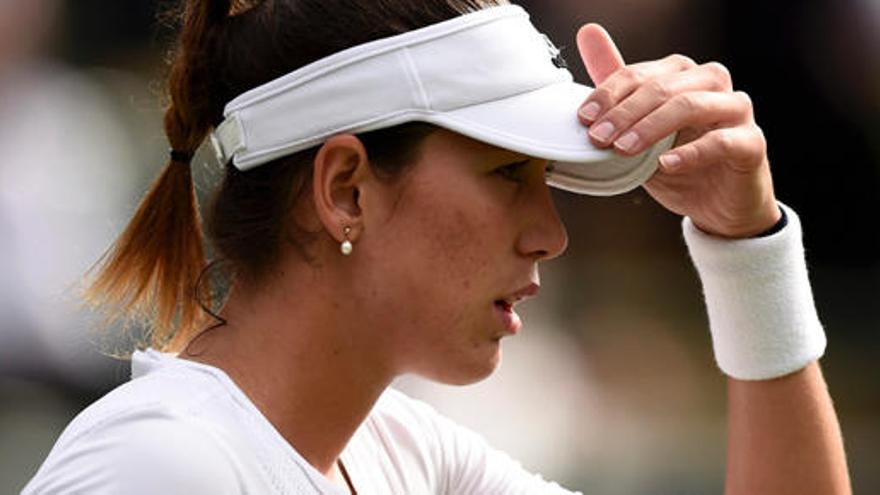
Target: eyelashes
<point x="513" y="171"/>
<point x="518" y="171"/>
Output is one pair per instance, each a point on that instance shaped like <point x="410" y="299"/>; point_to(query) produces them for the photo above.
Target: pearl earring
<point x="346" y="246"/>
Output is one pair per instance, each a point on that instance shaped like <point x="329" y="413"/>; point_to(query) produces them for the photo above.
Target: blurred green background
<point x="611" y="388"/>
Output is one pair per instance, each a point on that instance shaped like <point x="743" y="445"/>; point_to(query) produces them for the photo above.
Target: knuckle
<point x="759" y="133"/>
<point x="659" y="89"/>
<point x="744" y="99"/>
<point x="720" y="73"/>
<point x="694" y="153"/>
<point x="682" y="61"/>
<point x="726" y="142"/>
<point x="620" y="116"/>
<point x="687" y="103"/>
<point x="602" y="96"/>
<point x="634" y="75"/>
<point x="760" y="142"/>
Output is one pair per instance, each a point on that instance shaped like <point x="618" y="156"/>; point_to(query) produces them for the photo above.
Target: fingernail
<point x="628" y="141"/>
<point x="670" y="161"/>
<point x="602" y="131"/>
<point x="590" y="111"/>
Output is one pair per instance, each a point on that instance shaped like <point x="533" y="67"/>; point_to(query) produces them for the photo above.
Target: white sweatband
<point x="761" y="313"/>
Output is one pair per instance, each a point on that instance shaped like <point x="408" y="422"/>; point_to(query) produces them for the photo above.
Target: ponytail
<point x="151" y="273"/>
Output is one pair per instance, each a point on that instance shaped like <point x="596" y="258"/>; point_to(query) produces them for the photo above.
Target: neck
<point x="304" y="362"/>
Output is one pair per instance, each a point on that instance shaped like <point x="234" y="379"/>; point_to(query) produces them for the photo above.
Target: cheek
<point x="456" y="240"/>
<point x="452" y="272"/>
<point x="458" y="254"/>
<point x="437" y="265"/>
<point x="434" y="270"/>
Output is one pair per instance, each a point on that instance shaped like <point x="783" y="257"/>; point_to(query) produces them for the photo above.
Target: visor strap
<point x="227" y="139"/>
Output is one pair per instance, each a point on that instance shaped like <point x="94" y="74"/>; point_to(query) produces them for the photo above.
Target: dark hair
<point x="226" y="47"/>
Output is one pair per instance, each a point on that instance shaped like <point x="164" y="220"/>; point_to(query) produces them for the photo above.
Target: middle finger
<point x="652" y="94"/>
<point x="626" y="80"/>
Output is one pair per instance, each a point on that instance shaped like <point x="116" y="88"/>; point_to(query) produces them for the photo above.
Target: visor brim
<point x="544" y="124"/>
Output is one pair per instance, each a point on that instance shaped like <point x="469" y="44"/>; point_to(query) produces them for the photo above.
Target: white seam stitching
<point x="413" y="74"/>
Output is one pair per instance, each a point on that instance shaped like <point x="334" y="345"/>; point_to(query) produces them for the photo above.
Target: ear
<point x="341" y="168"/>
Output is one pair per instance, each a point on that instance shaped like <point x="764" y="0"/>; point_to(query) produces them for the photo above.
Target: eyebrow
<point x="510" y="156"/>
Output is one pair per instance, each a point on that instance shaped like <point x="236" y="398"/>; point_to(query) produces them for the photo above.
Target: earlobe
<point x="340" y="169"/>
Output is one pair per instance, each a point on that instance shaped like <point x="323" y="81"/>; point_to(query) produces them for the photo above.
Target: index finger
<point x="598" y="52"/>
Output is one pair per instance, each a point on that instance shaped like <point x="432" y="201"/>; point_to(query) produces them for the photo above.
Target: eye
<point x="514" y="171"/>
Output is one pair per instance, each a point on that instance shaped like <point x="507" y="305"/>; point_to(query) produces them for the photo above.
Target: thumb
<point x="598" y="51"/>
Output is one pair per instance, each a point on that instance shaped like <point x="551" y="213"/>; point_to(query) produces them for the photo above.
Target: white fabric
<point x="761" y="313"/>
<point x="184" y="428"/>
<point x="489" y="75"/>
<point x="180" y="427"/>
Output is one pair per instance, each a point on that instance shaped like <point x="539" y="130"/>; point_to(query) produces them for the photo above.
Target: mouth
<point x="511" y="321"/>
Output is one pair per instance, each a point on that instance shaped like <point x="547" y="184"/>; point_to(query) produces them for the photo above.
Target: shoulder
<point x="150" y="450"/>
<point x="145" y="436"/>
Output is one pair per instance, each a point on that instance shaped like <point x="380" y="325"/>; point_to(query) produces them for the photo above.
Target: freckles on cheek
<point x="460" y="252"/>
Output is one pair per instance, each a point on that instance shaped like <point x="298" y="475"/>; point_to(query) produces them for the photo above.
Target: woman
<point x="385" y="206"/>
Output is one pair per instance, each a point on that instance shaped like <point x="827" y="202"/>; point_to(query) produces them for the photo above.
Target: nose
<point x="543" y="235"/>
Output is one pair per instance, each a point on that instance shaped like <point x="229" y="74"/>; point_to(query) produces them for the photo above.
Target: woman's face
<point x="459" y="234"/>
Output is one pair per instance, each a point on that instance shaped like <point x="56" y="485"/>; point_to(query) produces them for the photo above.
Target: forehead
<point x="449" y="144"/>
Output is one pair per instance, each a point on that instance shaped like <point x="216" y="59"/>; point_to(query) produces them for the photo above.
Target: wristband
<point x="759" y="301"/>
<point x="779" y="225"/>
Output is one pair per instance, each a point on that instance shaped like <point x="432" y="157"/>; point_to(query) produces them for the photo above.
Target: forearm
<point x="783" y="437"/>
<point x="783" y="433"/>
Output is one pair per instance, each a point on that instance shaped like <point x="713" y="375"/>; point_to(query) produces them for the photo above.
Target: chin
<point x="466" y="373"/>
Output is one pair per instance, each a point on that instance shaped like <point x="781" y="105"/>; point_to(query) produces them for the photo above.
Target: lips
<point x="528" y="291"/>
<point x="504" y="307"/>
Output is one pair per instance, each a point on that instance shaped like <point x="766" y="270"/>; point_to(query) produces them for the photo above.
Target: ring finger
<point x="625" y="81"/>
<point x="697" y="109"/>
<point x="654" y="93"/>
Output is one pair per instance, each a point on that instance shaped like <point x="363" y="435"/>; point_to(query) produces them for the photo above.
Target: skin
<point x="465" y="227"/>
<point x="783" y="434"/>
<point x="469" y="224"/>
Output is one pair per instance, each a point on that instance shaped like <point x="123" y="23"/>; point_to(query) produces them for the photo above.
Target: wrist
<point x="776" y="227"/>
<point x="756" y="224"/>
<point x="761" y="313"/>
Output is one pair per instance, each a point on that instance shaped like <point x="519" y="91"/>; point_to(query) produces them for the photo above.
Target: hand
<point x="717" y="173"/>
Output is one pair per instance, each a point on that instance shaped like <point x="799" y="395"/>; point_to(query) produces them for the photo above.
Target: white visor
<point x="489" y="75"/>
